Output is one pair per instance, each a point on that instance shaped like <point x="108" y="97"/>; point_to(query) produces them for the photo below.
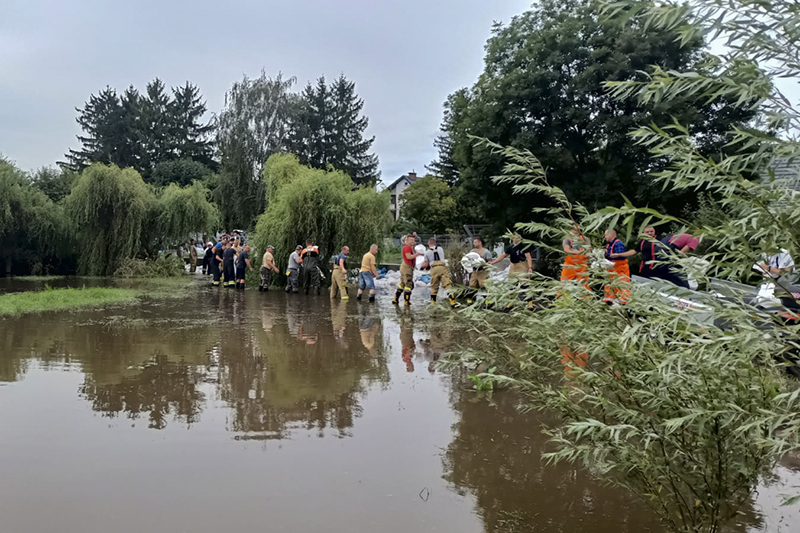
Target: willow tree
<point x="108" y="207"/>
<point x="33" y="230"/>
<point x="321" y="205"/>
<point x="184" y="210"/>
<point x="689" y="407"/>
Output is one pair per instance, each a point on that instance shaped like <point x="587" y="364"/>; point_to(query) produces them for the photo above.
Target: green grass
<point x="59" y="299"/>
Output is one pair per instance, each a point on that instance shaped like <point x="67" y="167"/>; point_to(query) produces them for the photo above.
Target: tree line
<point x="542" y="90"/>
<point x="167" y="138"/>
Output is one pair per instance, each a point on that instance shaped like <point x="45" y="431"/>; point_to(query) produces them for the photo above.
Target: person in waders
<point x="479" y="275"/>
<point x="228" y="266"/>
<point x="339" y="276"/>
<point x="620" y="271"/>
<point x="310" y="257"/>
<point x="242" y="264"/>
<point x="216" y="264"/>
<point x="406" y="285"/>
<point x="440" y="273"/>
<point x="207" y="258"/>
<point x="368" y="274"/>
<point x="267" y="268"/>
<point x="293" y="271"/>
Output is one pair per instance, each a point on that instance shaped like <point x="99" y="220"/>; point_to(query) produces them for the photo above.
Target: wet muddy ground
<point x="232" y="411"/>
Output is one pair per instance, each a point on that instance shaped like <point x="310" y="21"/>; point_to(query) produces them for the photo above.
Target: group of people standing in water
<point x="228" y="260"/>
<point x="653" y="251"/>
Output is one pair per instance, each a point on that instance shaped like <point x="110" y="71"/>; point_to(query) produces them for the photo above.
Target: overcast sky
<point x="405" y="58"/>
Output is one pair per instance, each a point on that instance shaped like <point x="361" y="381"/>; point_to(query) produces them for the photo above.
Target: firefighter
<point x="440" y="273"/>
<point x="406" y="271"/>
<point x="310" y="257"/>
<point x="480" y="273"/>
<point x="339" y="275"/>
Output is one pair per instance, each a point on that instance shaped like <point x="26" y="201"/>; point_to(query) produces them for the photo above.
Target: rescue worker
<point x="652" y="251"/>
<point x="228" y="268"/>
<point x="293" y="270"/>
<point x="242" y="264"/>
<point x="207" y="258"/>
<point x="310" y="257"/>
<point x="576" y="266"/>
<point x="339" y="275"/>
<point x="267" y="268"/>
<point x="521" y="262"/>
<point x="216" y="264"/>
<point x="440" y="273"/>
<point x="479" y="275"/>
<point x="406" y="285"/>
<point x="620" y="272"/>
<point x="520" y="256"/>
<point x="192" y="256"/>
<point x="368" y="273"/>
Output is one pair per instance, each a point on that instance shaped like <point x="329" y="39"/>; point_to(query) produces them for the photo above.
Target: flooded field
<point x="232" y="411"/>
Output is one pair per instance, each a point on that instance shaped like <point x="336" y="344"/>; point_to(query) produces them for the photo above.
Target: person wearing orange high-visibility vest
<point x="576" y="266"/>
<point x="620" y="272"/>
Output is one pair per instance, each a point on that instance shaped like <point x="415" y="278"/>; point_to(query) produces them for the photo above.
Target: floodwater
<point x="231" y="411"/>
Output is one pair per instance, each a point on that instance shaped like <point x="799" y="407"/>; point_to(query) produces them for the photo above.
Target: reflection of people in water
<point x="339" y="319"/>
<point x="267" y="320"/>
<point x="299" y="325"/>
<point x="368" y="326"/>
<point x="435" y="345"/>
<point x="409" y="347"/>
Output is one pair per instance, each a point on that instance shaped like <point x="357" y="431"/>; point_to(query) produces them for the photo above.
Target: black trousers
<point x="213" y="267"/>
<point x="227" y="270"/>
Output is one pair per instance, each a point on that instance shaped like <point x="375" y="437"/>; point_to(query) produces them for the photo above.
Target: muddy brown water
<point x="231" y="411"/>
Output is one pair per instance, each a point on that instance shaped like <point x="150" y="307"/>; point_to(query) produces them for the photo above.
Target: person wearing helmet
<point x="267" y="268"/>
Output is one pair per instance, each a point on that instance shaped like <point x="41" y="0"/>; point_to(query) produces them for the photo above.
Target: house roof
<point x="398" y="180"/>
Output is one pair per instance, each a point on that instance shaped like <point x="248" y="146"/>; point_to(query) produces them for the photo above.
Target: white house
<point x="396" y="189"/>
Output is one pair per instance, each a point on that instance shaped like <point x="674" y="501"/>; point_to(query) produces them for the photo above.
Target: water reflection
<point x="278" y="365"/>
<point x="235" y="367"/>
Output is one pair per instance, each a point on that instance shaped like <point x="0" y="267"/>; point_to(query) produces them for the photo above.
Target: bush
<point x="164" y="266"/>
<point x="322" y="205"/>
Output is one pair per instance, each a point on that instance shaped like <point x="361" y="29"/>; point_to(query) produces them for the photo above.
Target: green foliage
<point x="59" y="299"/>
<point x="33" y="229"/>
<point x="109" y="207"/>
<point x="181" y="172"/>
<point x="55" y="183"/>
<point x="253" y="125"/>
<point x="321" y="205"/>
<point x="141" y="130"/>
<point x="163" y="266"/>
<point x="542" y="90"/>
<point x="688" y="412"/>
<point x="328" y="129"/>
<point x="185" y="210"/>
<point x="429" y="202"/>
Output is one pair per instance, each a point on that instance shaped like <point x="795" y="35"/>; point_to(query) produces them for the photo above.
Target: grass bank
<point x="59" y="299"/>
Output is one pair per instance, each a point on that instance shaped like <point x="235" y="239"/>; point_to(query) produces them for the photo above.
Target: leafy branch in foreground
<point x="686" y="406"/>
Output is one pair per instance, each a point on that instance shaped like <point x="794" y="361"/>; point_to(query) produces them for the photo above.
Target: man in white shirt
<point x="777" y="265"/>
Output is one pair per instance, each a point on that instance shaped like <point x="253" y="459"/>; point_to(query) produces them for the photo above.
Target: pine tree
<point x="189" y="137"/>
<point x="328" y="129"/>
<point x="350" y="149"/>
<point x="99" y="118"/>
<point x="141" y="131"/>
